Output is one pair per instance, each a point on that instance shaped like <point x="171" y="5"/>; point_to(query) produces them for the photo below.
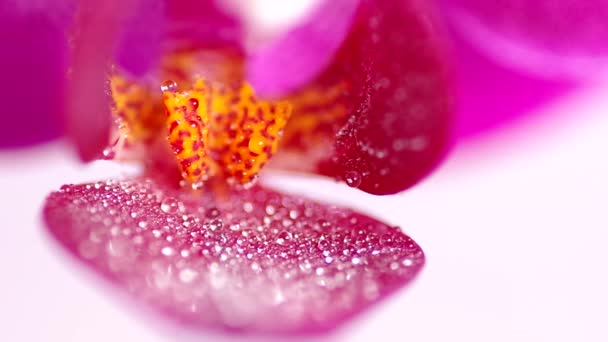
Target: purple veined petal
<point x="557" y="39"/>
<point x="298" y="56"/>
<point x="32" y="65"/>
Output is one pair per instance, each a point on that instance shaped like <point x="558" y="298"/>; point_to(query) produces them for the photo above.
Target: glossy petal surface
<point x="397" y="108"/>
<point x="565" y="37"/>
<point x="253" y="260"/>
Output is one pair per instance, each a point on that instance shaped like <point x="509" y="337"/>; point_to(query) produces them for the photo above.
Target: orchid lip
<point x="254" y="261"/>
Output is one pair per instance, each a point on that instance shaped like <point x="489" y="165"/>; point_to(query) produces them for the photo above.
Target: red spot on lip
<point x="255" y="261"/>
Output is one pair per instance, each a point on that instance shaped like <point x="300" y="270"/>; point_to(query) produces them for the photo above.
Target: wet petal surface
<point x="253" y="260"/>
<point x="391" y="117"/>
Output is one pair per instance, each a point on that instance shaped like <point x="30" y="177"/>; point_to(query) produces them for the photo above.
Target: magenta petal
<point x="565" y="37"/>
<point x="399" y="115"/>
<point x="255" y="261"/>
<point x="139" y="49"/>
<point x="201" y="23"/>
<point x="491" y="95"/>
<point x="301" y="54"/>
<point x="33" y="57"/>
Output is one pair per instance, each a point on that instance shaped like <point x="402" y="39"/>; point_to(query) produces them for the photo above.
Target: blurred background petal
<point x="490" y="96"/>
<point x="300" y="54"/>
<point x="557" y="38"/>
<point x="32" y="65"/>
<point x="139" y="47"/>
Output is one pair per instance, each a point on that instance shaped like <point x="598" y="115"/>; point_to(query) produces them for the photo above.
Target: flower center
<point x="208" y="122"/>
<point x="214" y="129"/>
<point x="222" y="130"/>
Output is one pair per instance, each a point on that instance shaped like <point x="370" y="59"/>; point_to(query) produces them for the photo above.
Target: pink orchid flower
<point x="371" y="77"/>
<point x="244" y="257"/>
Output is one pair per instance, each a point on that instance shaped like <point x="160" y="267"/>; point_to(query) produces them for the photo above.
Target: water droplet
<point x="283" y="238"/>
<point x="212" y="213"/>
<point x="352" y="179"/>
<point x="187" y="275"/>
<point x="216" y="224"/>
<point x="167" y="251"/>
<point x="108" y="153"/>
<point x="323" y="244"/>
<point x="248" y="207"/>
<point x="169" y="205"/>
<point x="194" y="103"/>
<point x="270" y="210"/>
<point x="418" y="143"/>
<point x="168" y="86"/>
<point x="142" y="224"/>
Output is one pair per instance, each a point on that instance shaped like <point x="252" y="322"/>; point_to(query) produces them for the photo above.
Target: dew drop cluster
<point x="249" y="259"/>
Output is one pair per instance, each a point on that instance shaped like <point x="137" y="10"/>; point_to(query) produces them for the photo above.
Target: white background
<point x="514" y="225"/>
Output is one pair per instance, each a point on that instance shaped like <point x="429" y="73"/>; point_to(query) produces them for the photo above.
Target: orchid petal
<point x="249" y="261"/>
<point x="566" y="38"/>
<point x="32" y="65"/>
<point x="490" y="96"/>
<point x="139" y="49"/>
<point x="301" y="54"/>
<point x="391" y="77"/>
<point x="158" y="27"/>
<point x="201" y="23"/>
<point x="88" y="119"/>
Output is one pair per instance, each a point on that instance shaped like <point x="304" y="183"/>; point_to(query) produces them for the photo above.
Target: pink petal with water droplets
<point x="254" y="261"/>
